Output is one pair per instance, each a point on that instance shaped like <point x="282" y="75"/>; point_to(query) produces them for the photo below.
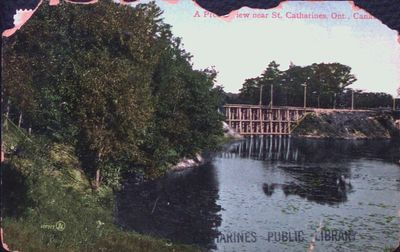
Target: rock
<point x="188" y="163"/>
<point x="229" y="132"/>
<point x="347" y="125"/>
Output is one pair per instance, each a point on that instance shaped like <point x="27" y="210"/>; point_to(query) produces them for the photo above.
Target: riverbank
<point x="347" y="125"/>
<point x="282" y="175"/>
<point x="49" y="203"/>
<point x="206" y="156"/>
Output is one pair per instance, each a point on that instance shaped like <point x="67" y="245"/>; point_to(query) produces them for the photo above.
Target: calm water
<point x="276" y="194"/>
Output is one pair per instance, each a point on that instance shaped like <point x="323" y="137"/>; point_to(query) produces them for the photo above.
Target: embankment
<point x="345" y="124"/>
<point x="49" y="204"/>
<point x="206" y="156"/>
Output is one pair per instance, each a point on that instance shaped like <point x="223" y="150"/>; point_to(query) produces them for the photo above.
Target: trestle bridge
<point x="251" y="120"/>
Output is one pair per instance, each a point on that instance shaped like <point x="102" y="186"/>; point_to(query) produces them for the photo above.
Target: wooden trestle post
<point x="262" y="120"/>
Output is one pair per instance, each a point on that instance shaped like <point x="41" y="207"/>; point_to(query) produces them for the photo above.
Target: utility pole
<point x="261" y="88"/>
<point x="272" y="95"/>
<point x="305" y="95"/>
<point x="334" y="101"/>
<point x="305" y="92"/>
<point x="352" y="99"/>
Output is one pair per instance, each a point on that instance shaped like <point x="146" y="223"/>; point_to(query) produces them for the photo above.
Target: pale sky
<point x="242" y="47"/>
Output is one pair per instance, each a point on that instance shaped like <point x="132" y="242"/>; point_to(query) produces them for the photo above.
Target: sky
<point x="241" y="48"/>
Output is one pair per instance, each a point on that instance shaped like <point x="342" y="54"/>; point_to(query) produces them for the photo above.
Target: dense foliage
<point x="327" y="87"/>
<point x="112" y="81"/>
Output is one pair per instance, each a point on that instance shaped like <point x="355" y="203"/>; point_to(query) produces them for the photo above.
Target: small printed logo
<point x="59" y="226"/>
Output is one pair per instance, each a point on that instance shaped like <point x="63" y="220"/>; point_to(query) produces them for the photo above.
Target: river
<point x="276" y="194"/>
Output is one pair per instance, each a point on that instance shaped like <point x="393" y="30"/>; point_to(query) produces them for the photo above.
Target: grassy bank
<point x="49" y="204"/>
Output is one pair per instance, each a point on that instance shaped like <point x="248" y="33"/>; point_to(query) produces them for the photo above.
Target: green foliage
<point x="43" y="184"/>
<point x="368" y="99"/>
<point x="112" y="81"/>
<point x="25" y="237"/>
<point x="105" y="89"/>
<point x="40" y="192"/>
<point x="326" y="85"/>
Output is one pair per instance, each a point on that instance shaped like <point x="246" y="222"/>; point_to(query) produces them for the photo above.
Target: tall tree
<point x="113" y="81"/>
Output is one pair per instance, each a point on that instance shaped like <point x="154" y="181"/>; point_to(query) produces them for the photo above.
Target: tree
<point x="270" y="79"/>
<point x="187" y="119"/>
<point x="250" y="92"/>
<point x="293" y="79"/>
<point x="114" y="82"/>
<point x="324" y="82"/>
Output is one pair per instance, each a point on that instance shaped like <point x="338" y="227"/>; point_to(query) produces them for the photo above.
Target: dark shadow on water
<point x="316" y="184"/>
<point x="180" y="207"/>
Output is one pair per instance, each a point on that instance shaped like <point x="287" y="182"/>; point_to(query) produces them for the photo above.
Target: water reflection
<point x="314" y="184"/>
<point x="301" y="159"/>
<point x="282" y="184"/>
<point x="312" y="150"/>
<point x="180" y="207"/>
<point x="268" y="148"/>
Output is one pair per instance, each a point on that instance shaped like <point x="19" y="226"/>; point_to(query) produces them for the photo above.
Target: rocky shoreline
<point x="186" y="163"/>
<point x="347" y="125"/>
<point x="201" y="159"/>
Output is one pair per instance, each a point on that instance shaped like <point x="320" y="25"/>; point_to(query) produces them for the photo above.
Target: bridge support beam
<point x="262" y="120"/>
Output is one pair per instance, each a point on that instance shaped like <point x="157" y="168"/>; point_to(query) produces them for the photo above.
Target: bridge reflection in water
<point x="309" y="171"/>
<point x="264" y="148"/>
<point x="318" y="170"/>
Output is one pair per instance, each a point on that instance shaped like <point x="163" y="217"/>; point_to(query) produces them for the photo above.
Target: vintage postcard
<point x="169" y="126"/>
